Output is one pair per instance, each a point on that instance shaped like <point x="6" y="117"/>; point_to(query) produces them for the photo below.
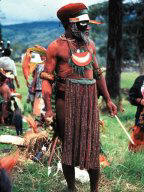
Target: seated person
<point x="8" y="65"/>
<point x="136" y="97"/>
<point x="5" y="94"/>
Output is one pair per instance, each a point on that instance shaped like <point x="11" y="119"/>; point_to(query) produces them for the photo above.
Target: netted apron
<point x="81" y="130"/>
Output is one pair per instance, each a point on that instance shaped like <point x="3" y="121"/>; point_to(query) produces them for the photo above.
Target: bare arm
<point x="47" y="77"/>
<point x="102" y="87"/>
<point x="6" y="94"/>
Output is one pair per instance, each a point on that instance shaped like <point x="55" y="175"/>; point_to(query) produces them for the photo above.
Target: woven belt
<point x="83" y="81"/>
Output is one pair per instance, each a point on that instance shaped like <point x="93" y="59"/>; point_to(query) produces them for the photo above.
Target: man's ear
<point x="68" y="26"/>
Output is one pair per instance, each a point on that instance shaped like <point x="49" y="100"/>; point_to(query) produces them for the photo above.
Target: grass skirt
<point x="81" y="130"/>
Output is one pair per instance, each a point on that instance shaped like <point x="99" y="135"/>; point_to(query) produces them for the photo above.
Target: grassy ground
<point x="125" y="174"/>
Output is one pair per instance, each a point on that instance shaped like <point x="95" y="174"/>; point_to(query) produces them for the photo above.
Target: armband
<point x="97" y="73"/>
<point x="46" y="76"/>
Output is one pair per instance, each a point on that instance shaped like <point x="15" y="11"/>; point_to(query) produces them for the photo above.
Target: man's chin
<point x="86" y="34"/>
<point x="83" y="38"/>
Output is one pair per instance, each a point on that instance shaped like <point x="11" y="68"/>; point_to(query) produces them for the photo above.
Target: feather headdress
<point x="27" y="66"/>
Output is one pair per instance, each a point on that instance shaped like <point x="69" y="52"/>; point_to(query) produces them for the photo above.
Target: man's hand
<point x="142" y="102"/>
<point x="112" y="108"/>
<point x="2" y="120"/>
<point x="49" y="116"/>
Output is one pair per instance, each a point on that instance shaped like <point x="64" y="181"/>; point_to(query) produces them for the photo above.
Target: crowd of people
<point x="70" y="63"/>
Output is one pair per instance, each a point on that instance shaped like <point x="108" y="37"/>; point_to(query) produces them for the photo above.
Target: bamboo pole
<point x="124" y="130"/>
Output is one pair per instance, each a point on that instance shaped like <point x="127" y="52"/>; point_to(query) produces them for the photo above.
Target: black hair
<point x="65" y="24"/>
<point x="6" y="52"/>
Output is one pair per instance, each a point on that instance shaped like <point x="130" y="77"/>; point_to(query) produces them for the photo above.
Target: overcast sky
<point x="18" y="11"/>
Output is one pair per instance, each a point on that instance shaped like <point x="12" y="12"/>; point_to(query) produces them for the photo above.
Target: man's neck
<point x="78" y="41"/>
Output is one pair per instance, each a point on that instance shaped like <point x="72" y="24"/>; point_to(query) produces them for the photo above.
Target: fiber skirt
<point x="78" y="125"/>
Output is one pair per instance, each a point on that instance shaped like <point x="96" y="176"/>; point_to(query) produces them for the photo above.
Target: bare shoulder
<point x="53" y="45"/>
<point x="56" y="44"/>
<point x="58" y="48"/>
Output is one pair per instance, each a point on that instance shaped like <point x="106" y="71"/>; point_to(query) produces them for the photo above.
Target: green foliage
<point x="127" y="79"/>
<point x="99" y="10"/>
<point x="133" y="30"/>
<point x="98" y="33"/>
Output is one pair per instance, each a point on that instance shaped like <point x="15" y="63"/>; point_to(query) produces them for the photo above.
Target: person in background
<point x="136" y="98"/>
<point x="38" y="104"/>
<point x="72" y="57"/>
<point x="1" y="47"/>
<point x="5" y="95"/>
<point x="31" y="91"/>
<point x="33" y="63"/>
<point x="9" y="66"/>
<point x="17" y="119"/>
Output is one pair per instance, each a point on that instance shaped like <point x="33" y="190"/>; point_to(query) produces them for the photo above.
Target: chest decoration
<point x="81" y="61"/>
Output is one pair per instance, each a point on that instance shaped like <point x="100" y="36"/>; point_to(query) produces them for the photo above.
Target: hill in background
<point x="25" y="35"/>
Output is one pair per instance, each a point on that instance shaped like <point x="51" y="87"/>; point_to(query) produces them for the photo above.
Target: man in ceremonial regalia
<point x="71" y="60"/>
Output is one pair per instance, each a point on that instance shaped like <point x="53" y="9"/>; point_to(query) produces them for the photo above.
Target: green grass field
<point x="126" y="171"/>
